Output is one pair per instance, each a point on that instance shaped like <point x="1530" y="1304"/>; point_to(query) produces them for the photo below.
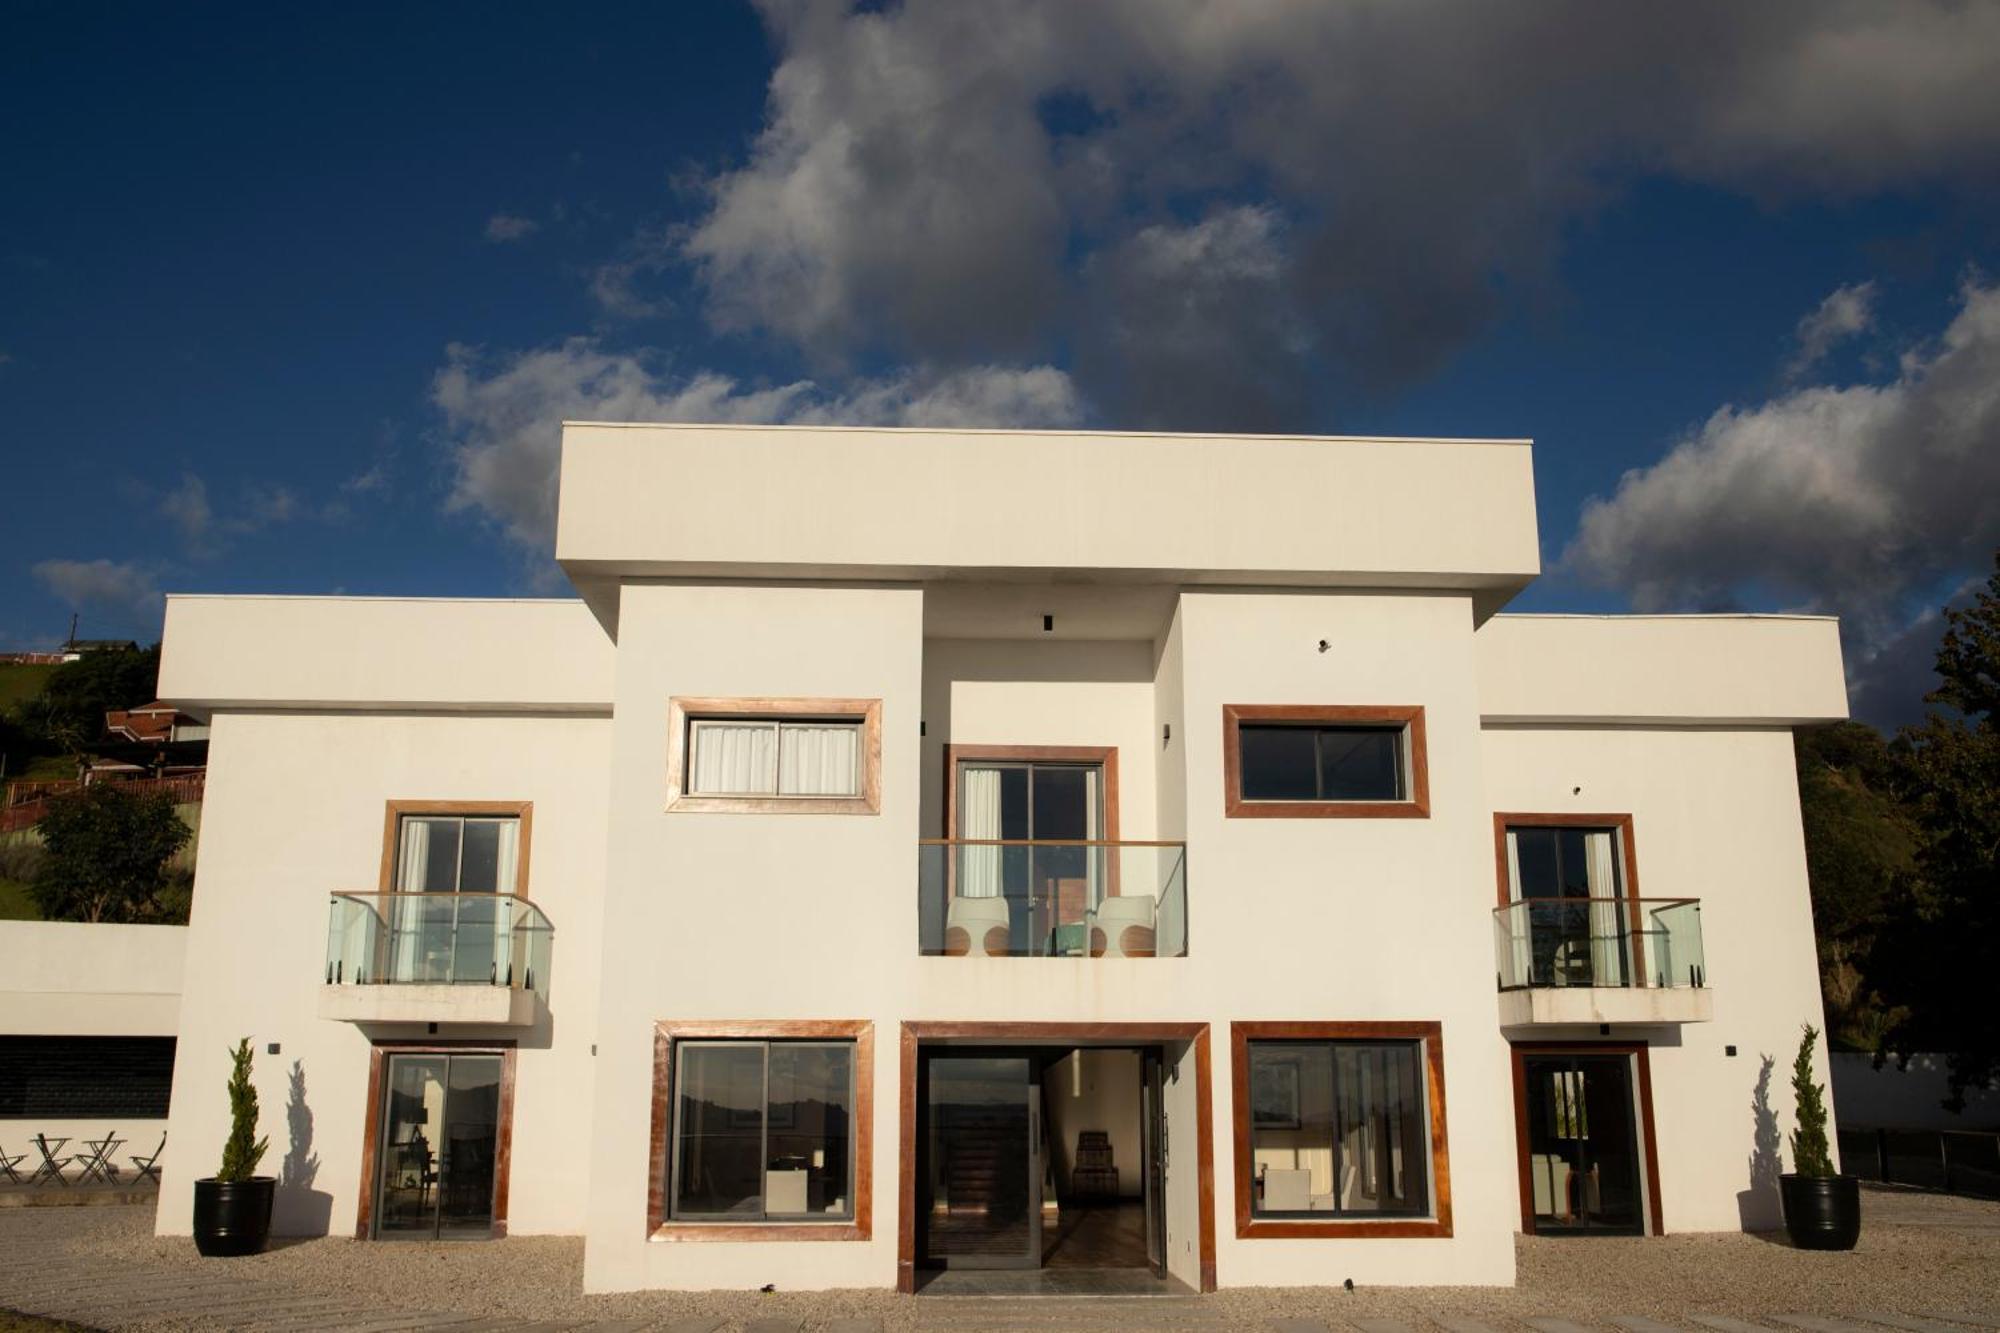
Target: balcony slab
<point x="493" y="1006"/>
<point x="1573" y="1005"/>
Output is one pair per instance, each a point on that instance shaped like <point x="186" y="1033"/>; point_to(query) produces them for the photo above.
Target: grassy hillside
<point x="20" y="683"/>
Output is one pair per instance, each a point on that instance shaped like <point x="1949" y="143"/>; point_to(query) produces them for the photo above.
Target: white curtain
<point x="1607" y="911"/>
<point x="1517" y="924"/>
<point x="819" y="760"/>
<point x="735" y="758"/>
<point x="406" y="914"/>
<point x="507" y="862"/>
<point x="979" y="817"/>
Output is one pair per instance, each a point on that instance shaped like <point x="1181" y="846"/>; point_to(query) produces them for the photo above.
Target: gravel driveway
<point x="1918" y="1252"/>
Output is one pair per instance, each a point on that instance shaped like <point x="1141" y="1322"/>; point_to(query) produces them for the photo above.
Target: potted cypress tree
<point x="232" y="1208"/>
<point x="1822" y="1207"/>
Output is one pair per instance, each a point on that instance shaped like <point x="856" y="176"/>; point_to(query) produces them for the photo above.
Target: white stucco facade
<point x="1051" y="593"/>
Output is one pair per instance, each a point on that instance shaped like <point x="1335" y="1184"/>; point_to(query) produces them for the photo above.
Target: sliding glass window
<point x="1290" y="762"/>
<point x="763" y="1131"/>
<point x="1339" y="1129"/>
<point x="769" y="756"/>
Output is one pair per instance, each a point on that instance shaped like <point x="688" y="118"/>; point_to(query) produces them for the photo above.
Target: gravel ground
<point x="1918" y="1253"/>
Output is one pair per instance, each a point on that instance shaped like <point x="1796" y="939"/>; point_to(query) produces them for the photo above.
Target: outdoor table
<point x="99" y="1162"/>
<point x="51" y="1165"/>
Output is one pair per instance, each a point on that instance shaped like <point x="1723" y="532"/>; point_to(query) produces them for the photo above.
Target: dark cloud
<point x="950" y="181"/>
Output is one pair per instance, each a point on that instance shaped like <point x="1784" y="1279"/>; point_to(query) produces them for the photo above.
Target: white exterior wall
<point x="294" y="811"/>
<point x="1715" y="816"/>
<point x="1351" y="919"/>
<point x="1024" y="692"/>
<point x="737" y="916"/>
<point x="72" y="979"/>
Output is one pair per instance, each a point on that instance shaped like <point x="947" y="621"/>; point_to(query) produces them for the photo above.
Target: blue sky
<point x="290" y="298"/>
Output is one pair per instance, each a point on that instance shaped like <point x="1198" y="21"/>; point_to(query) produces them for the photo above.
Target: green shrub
<point x="1809" y="1149"/>
<point x="244" y="1149"/>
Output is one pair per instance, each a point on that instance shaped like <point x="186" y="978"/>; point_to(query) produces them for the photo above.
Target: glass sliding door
<point x="438" y="1148"/>
<point x="1049" y="889"/>
<point x="981" y="1161"/>
<point x="1584" y="1163"/>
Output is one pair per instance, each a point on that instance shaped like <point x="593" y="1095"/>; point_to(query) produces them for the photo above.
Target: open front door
<point x="1153" y="1132"/>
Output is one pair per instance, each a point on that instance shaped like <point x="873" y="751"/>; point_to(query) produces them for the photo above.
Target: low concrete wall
<point x="73" y="979"/>
<point x="63" y="978"/>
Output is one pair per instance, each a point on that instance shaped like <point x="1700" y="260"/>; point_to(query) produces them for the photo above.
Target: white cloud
<point x="503" y="416"/>
<point x="504" y="228"/>
<point x="940" y="181"/>
<point x="1847" y="312"/>
<point x="125" y="589"/>
<point x="1856" y="499"/>
<point x="186" y="507"/>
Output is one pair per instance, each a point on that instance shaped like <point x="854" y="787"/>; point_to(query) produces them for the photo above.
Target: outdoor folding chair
<point x="52" y="1166"/>
<point x="7" y="1165"/>
<point x="150" y="1166"/>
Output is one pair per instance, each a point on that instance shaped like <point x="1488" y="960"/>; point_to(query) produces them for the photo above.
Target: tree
<point x="107" y="854"/>
<point x="1938" y="953"/>
<point x="69" y="713"/>
<point x="1861" y="840"/>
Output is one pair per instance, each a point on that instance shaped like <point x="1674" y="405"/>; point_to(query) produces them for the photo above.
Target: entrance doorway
<point x="1041" y="1157"/>
<point x="1585" y="1119"/>
<point x="438" y="1145"/>
<point x="1176" y="1156"/>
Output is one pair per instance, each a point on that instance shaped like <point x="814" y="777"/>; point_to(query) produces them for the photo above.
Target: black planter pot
<point x="1822" y="1212"/>
<point x="234" y="1217"/>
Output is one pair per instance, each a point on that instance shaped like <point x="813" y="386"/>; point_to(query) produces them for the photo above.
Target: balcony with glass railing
<point x="1001" y="898"/>
<point x="1601" y="960"/>
<point x="436" y="958"/>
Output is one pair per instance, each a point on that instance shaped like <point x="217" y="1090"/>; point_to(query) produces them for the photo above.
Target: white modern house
<point x="923" y="850"/>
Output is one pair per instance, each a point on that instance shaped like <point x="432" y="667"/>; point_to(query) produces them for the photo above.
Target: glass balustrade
<point x="438" y="939"/>
<point x="1620" y="942"/>
<point x="1009" y="899"/>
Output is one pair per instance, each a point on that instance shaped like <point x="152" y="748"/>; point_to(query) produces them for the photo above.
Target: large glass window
<point x="763" y="1131"/>
<point x="1339" y="1129"/>
<point x="1282" y="762"/>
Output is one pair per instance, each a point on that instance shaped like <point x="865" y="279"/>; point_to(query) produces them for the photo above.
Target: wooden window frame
<point x="662" y="1227"/>
<point x="1628" y="851"/>
<point x="371" y="1133"/>
<point x="1001" y="1034"/>
<point x="683" y="709"/>
<point x="1643" y="1081"/>
<point x="1251" y="1227"/>
<point x="1409" y="717"/>
<point x="397" y="811"/>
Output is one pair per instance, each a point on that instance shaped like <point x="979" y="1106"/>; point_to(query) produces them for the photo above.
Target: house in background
<point x="154" y="723"/>
<point x="919" y="851"/>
